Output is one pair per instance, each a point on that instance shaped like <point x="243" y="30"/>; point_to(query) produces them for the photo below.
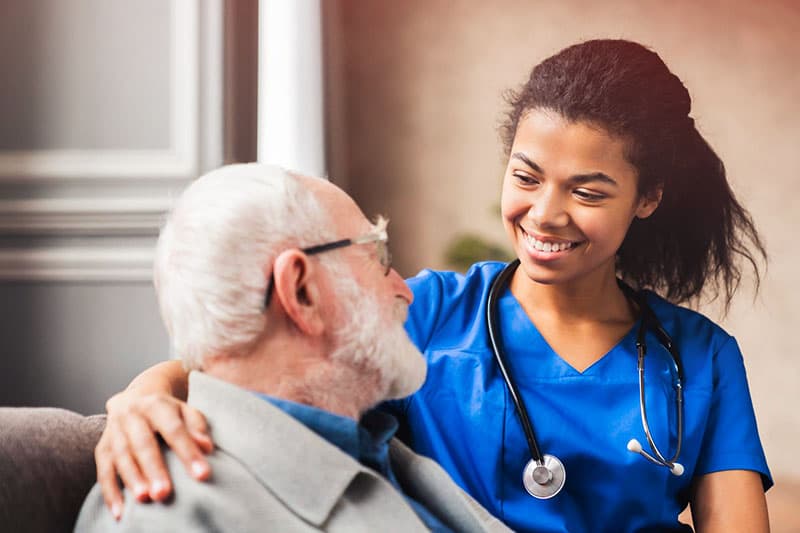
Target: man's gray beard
<point x="366" y="339"/>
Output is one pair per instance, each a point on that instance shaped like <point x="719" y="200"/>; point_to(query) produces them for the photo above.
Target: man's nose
<point x="400" y="288"/>
<point x="548" y="210"/>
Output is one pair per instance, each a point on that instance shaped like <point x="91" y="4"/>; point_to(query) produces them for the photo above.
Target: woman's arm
<point x="154" y="403"/>
<point x="730" y="501"/>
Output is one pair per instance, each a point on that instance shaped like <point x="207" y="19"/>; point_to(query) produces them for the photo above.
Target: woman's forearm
<point x="167" y="377"/>
<point x="730" y="501"/>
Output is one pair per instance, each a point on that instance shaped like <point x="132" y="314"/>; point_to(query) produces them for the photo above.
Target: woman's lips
<point x="548" y="247"/>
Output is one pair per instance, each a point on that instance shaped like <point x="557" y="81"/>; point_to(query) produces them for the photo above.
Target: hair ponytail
<point x="690" y="244"/>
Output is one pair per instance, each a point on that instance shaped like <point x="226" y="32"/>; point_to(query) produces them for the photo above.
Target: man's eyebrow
<point x="577" y="179"/>
<point x="379" y="223"/>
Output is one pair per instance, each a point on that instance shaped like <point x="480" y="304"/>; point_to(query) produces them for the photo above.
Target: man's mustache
<point x="401" y="310"/>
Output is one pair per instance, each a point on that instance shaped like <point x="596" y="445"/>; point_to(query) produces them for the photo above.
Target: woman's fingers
<point x="107" y="476"/>
<point x="182" y="427"/>
<point x="125" y="464"/>
<point x="129" y="447"/>
<point x="113" y="458"/>
<point x="196" y="423"/>
<point x="147" y="455"/>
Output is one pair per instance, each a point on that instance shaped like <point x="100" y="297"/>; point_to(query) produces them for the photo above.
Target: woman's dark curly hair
<point x="692" y="242"/>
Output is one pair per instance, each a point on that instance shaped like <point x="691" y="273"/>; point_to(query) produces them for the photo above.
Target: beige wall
<point x="415" y="97"/>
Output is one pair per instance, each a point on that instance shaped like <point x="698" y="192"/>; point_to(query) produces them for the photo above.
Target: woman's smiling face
<point x="569" y="197"/>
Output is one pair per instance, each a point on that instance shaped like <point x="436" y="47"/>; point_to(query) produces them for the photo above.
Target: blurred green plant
<point x="466" y="249"/>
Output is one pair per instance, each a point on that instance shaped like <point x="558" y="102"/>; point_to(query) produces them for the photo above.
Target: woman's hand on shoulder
<point x="129" y="447"/>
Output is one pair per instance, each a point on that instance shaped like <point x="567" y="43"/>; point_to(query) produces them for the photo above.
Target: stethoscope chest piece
<point x="544" y="481"/>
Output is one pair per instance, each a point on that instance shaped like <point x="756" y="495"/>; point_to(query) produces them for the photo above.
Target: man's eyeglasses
<point x="379" y="236"/>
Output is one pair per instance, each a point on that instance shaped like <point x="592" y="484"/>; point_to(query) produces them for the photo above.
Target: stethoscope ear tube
<point x="634" y="446"/>
<point x="648" y="318"/>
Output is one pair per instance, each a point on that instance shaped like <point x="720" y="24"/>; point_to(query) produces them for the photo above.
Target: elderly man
<point x="278" y="294"/>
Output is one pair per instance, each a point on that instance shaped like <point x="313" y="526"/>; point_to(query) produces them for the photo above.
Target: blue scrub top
<point x="463" y="416"/>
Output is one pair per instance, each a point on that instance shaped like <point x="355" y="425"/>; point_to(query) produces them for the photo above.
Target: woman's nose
<point x="548" y="210"/>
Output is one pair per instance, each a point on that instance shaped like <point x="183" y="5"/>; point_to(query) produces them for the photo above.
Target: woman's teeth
<point x="543" y="246"/>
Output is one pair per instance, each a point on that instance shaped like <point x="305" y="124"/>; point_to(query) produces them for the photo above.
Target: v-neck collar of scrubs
<point x="520" y="334"/>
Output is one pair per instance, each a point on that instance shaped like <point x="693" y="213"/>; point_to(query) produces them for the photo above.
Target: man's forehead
<point x="343" y="210"/>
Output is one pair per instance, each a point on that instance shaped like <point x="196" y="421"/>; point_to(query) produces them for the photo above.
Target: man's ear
<point x="648" y="203"/>
<point x="297" y="288"/>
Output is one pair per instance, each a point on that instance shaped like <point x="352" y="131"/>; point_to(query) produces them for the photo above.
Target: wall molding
<point x="22" y="166"/>
<point x="92" y="214"/>
<point x="82" y="216"/>
<point x="180" y="160"/>
<point x="82" y="264"/>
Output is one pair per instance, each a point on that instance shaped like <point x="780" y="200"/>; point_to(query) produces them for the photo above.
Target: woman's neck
<point x="592" y="298"/>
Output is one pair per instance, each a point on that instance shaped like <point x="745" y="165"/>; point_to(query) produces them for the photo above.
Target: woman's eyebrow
<point x="577" y="179"/>
<point x="525" y="159"/>
<point x="581" y="179"/>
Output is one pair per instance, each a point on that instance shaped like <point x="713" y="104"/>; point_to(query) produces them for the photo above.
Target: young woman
<point x="609" y="185"/>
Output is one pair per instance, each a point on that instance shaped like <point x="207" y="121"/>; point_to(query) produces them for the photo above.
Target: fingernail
<point x="116" y="511"/>
<point x="158" y="488"/>
<point x="199" y="435"/>
<point x="140" y="490"/>
<point x="199" y="469"/>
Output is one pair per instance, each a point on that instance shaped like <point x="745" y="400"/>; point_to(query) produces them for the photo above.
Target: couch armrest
<point x="46" y="467"/>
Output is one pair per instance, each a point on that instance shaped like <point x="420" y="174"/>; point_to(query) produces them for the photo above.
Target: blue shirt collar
<point x="366" y="441"/>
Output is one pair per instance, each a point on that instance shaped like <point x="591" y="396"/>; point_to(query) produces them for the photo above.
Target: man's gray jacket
<point x="271" y="473"/>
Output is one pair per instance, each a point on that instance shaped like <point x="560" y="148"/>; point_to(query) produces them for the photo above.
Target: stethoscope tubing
<point x="499" y="283"/>
<point x="647" y="319"/>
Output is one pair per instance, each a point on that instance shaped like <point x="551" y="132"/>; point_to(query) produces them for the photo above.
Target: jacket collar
<point x="279" y="450"/>
<point x="423" y="479"/>
<point x="274" y="447"/>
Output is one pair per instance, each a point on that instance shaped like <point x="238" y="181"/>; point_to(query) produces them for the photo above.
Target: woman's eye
<point x="525" y="179"/>
<point x="589" y="196"/>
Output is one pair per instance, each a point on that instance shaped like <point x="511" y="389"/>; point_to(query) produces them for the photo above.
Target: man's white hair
<point x="211" y="255"/>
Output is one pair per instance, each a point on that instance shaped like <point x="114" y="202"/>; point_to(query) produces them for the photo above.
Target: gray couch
<point x="46" y="467"/>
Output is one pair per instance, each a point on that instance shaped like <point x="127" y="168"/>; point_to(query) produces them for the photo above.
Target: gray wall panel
<point x="109" y="103"/>
<point x="72" y="345"/>
<point x="85" y="74"/>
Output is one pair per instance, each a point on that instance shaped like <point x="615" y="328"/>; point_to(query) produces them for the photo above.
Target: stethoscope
<point x="544" y="475"/>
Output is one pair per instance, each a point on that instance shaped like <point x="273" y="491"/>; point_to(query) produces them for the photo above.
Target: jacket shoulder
<point x="232" y="500"/>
